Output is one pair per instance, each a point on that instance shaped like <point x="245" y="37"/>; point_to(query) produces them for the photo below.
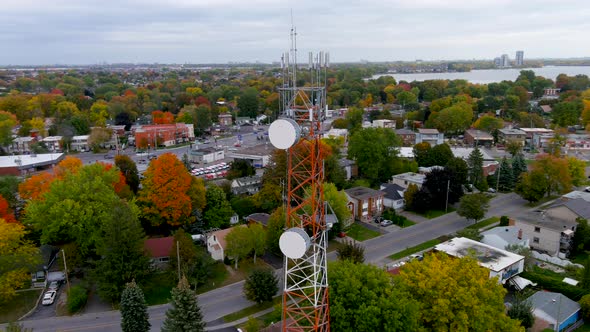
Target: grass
<point x="412" y="250"/>
<point x="20" y="305"/>
<point x="218" y="276"/>
<point x="361" y="233"/>
<point x="407" y="223"/>
<point x="580" y="258"/>
<point x="157" y="287"/>
<point x="333" y="245"/>
<point x="431" y="214"/>
<point x="484" y="223"/>
<point x="251" y="310"/>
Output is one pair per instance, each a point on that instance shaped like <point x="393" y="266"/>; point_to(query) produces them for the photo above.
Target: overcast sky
<point x="218" y="31"/>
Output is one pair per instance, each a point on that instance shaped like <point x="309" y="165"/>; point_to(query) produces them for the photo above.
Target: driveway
<point x="46" y="311"/>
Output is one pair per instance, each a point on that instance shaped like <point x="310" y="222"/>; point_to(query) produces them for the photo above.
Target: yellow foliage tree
<point x="456" y="294"/>
<point x="17" y="257"/>
<point x="38" y="124"/>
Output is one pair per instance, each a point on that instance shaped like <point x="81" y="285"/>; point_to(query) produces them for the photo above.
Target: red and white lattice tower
<point x="304" y="243"/>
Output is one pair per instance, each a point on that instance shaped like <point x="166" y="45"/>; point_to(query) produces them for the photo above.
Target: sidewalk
<point x="239" y="321"/>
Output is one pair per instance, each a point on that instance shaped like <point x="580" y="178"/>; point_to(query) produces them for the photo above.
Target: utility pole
<point x="447" y="203"/>
<point x="178" y="258"/>
<point x="498" y="177"/>
<point x="66" y="270"/>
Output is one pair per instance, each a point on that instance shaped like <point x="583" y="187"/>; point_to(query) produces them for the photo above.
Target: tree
<point x="9" y="190"/>
<point x="187" y="253"/>
<point x="217" y="212"/>
<point x="518" y="166"/>
<point x="459" y="170"/>
<point x="17" y="257"/>
<point x="454" y="119"/>
<point x="446" y="296"/>
<point x="577" y="170"/>
<point x="409" y="195"/>
<point x="165" y="194"/>
<point x="374" y="152"/>
<point x="75" y="207"/>
<point x="585" y="306"/>
<point x="184" y="314"/>
<point x="6" y="212"/>
<point x="134" y="315"/>
<point x="252" y="325"/>
<point x="36" y="186"/>
<point x="364" y="298"/>
<point x="532" y="186"/>
<point x="475" y="163"/>
<point x="261" y="285"/>
<point x="473" y="206"/>
<point x="7" y="122"/>
<point x="513" y="147"/>
<point x="470" y="233"/>
<point x="240" y="168"/>
<point x="581" y="240"/>
<point x="258" y="238"/>
<point x="128" y="168"/>
<point x="121" y="246"/>
<point x="522" y="310"/>
<point x="238" y="243"/>
<point x="555" y="171"/>
<point x="440" y="155"/>
<point x="585" y="282"/>
<point x="248" y="103"/>
<point x="274" y="230"/>
<point x="98" y="137"/>
<point x="488" y="123"/>
<point x="506" y="179"/>
<point x="422" y="153"/>
<point x="438" y="183"/>
<point x="352" y="251"/>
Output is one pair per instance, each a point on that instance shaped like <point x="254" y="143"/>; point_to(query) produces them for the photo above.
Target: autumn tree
<point x="555" y="172"/>
<point x="35" y="186"/>
<point x="98" y="137"/>
<point x="128" y="168"/>
<point x="446" y="296"/>
<point x="364" y="298"/>
<point x="159" y="117"/>
<point x="75" y="207"/>
<point x="488" y="123"/>
<point x="17" y="257"/>
<point x="9" y="190"/>
<point x="577" y="170"/>
<point x="531" y="186"/>
<point x="6" y="212"/>
<point x="7" y="122"/>
<point x="165" y="197"/>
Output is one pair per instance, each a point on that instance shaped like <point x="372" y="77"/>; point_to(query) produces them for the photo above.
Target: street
<point x="222" y="301"/>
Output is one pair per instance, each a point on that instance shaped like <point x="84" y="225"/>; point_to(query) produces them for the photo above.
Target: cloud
<point x="204" y="31"/>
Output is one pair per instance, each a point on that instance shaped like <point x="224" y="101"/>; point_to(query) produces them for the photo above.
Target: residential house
<point x="364" y="203"/>
<point x="53" y="143"/>
<point x="501" y="237"/>
<point x="335" y="132"/>
<point x="551" y="93"/>
<point x="206" y="155"/>
<point x="430" y="136"/>
<point x="511" y="135"/>
<point x="553" y="310"/>
<point x="21" y="145"/>
<point x="576" y="194"/>
<point x="570" y="209"/>
<point x="246" y="185"/>
<point x="80" y="143"/>
<point x="548" y="232"/>
<point x="350" y="168"/>
<point x="261" y="218"/>
<point x="408" y="136"/>
<point x="216" y="243"/>
<point x="500" y="263"/>
<point x="159" y="250"/>
<point x="224" y="119"/>
<point x="384" y="123"/>
<point x="546" y="109"/>
<point x="394" y="195"/>
<point x="538" y="137"/>
<point x="257" y="156"/>
<point x="405" y="179"/>
<point x="489" y="163"/>
<point x="475" y="137"/>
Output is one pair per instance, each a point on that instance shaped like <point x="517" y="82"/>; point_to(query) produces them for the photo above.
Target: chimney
<point x="520" y="234"/>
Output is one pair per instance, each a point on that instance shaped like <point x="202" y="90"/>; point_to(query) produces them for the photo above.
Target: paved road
<point x="222" y="301"/>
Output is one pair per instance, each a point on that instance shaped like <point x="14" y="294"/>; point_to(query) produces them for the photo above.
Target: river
<point x="486" y="76"/>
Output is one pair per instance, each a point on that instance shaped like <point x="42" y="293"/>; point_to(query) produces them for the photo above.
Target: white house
<point x="80" y="143"/>
<point x="501" y="263"/>
<point x="53" y="143"/>
<point x="216" y="243"/>
<point x="394" y="195"/>
<point x="405" y="179"/>
<point x="501" y="237"/>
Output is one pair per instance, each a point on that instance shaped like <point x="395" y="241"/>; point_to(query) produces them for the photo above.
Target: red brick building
<point x="163" y="134"/>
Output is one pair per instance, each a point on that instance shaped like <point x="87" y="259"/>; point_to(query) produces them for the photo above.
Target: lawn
<point x="251" y="310"/>
<point x="20" y="305"/>
<point x="431" y="214"/>
<point x="412" y="250"/>
<point x="484" y="223"/>
<point x="333" y="245"/>
<point x="361" y="233"/>
<point x="156" y="288"/>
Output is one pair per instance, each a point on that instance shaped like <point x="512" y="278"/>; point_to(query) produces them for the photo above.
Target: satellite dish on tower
<point x="294" y="243"/>
<point x="284" y="133"/>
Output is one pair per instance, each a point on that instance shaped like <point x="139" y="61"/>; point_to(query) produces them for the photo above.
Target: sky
<point x="35" y="32"/>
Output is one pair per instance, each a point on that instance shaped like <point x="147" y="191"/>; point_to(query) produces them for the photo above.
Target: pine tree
<point x="134" y="315"/>
<point x="518" y="166"/>
<point x="475" y="163"/>
<point x="506" y="182"/>
<point x="185" y="314"/>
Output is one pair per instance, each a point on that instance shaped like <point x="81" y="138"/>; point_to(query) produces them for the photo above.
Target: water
<point x="486" y="76"/>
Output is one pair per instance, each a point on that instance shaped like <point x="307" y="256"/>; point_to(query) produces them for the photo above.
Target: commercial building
<point x="505" y="60"/>
<point x="206" y="155"/>
<point x="430" y="136"/>
<point x="257" y="156"/>
<point x="519" y="59"/>
<point x="21" y="165"/>
<point x="537" y="137"/>
<point x="477" y="137"/>
<point x="506" y="135"/>
<point x="164" y="134"/>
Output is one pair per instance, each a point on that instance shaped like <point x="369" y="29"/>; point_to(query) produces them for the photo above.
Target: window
<point x="535" y="240"/>
<point x="537" y="229"/>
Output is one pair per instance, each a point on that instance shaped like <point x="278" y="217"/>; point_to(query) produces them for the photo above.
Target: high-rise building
<point x="497" y="61"/>
<point x="519" y="61"/>
<point x="505" y="60"/>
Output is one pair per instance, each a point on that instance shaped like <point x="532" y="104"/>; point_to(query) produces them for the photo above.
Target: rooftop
<point x="499" y="237"/>
<point x="362" y="192"/>
<point x="579" y="206"/>
<point x="537" y="130"/>
<point x="428" y="131"/>
<point x="544" y="220"/>
<point x="159" y="247"/>
<point x="261" y="218"/>
<point x="257" y="150"/>
<point x="411" y="177"/>
<point x="29" y="160"/>
<point x="511" y="131"/>
<point x="548" y="306"/>
<point x="489" y="257"/>
<point x="392" y="191"/>
<point x="221" y="234"/>
<point x="464" y="153"/>
<point x="480" y="135"/>
<point x="404" y="132"/>
<point x="577" y="194"/>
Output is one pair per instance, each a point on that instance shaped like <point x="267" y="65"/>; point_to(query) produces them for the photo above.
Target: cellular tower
<point x="297" y="130"/>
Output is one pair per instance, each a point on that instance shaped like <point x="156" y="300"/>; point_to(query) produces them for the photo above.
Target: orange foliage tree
<point x="68" y="165"/>
<point x="159" y="117"/>
<point x="5" y="211"/>
<point x="166" y="193"/>
<point x="34" y="187"/>
<point x="120" y="185"/>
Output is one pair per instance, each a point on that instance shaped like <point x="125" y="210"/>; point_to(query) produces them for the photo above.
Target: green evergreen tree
<point x="185" y="314"/>
<point x="586" y="275"/>
<point x="134" y="315"/>
<point x="506" y="181"/>
<point x="522" y="310"/>
<point x="261" y="285"/>
<point x="518" y="166"/>
<point x="475" y="163"/>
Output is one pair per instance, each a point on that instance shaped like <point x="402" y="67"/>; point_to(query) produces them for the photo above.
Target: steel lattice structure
<point x="305" y="292"/>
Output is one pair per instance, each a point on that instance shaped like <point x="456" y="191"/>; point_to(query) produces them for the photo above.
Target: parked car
<point x="386" y="223"/>
<point x="53" y="286"/>
<point x="587" y="189"/>
<point x="378" y="219"/>
<point x="491" y="190"/>
<point x="49" y="297"/>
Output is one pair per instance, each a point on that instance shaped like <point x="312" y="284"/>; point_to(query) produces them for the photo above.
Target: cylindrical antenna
<point x="310" y="60"/>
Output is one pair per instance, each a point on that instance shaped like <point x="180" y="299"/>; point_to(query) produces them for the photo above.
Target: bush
<point x="554" y="283"/>
<point x="504" y="221"/>
<point x="585" y="306"/>
<point x="77" y="298"/>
